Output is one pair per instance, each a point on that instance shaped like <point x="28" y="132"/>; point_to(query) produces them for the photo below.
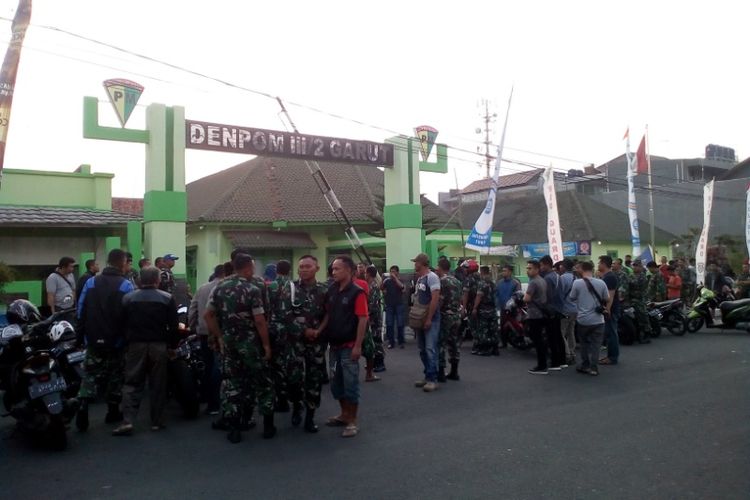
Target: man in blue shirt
<point x="569" y="310"/>
<point x="393" y="294"/>
<point x="507" y="285"/>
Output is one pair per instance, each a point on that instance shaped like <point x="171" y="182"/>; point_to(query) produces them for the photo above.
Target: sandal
<point x="335" y="422"/>
<point x="350" y="431"/>
<point x="123" y="430"/>
<point x="374" y="378"/>
<point x="606" y="361"/>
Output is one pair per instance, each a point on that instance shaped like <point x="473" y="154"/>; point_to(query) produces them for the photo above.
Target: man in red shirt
<point x="674" y="284"/>
<point x="344" y="328"/>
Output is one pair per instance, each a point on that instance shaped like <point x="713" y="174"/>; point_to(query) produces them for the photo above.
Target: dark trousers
<point x="211" y="383"/>
<point x="536" y="332"/>
<point x="555" y="340"/>
<point x="142" y="360"/>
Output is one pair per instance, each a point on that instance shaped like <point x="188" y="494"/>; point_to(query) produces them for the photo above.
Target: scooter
<point x="703" y="307"/>
<point x="36" y="393"/>
<point x="514" y="327"/>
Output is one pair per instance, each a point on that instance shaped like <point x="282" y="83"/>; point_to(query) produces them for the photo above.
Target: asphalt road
<point x="671" y="421"/>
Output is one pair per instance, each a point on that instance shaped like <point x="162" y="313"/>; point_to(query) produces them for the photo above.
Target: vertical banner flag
<point x="635" y="235"/>
<point x="641" y="160"/>
<point x="9" y="71"/>
<point x="747" y="220"/>
<point x="481" y="234"/>
<point x="426" y="136"/>
<point x="700" y="252"/>
<point x="553" y="219"/>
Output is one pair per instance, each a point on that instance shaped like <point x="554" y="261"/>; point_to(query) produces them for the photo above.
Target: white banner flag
<point x="632" y="208"/>
<point x="700" y="252"/>
<point x="747" y="221"/>
<point x="553" y="219"/>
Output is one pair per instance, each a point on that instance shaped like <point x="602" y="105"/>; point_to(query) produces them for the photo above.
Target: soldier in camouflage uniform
<point x="167" y="278"/>
<point x="282" y="319"/>
<point x="622" y="278"/>
<point x="236" y="318"/>
<point x="470" y="286"/>
<point x="657" y="289"/>
<point x="484" y="312"/>
<point x="450" y="321"/>
<point x="637" y="289"/>
<point x="375" y="308"/>
<point x="307" y="366"/>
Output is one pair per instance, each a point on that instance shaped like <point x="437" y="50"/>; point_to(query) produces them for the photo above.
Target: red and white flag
<point x="641" y="158"/>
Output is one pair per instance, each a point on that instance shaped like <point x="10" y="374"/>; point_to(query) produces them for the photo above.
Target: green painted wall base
<point x="163" y="238"/>
<point x="32" y="288"/>
<point x="110" y="243"/>
<point x="135" y="239"/>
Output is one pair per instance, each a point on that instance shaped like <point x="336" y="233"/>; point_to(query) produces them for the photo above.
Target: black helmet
<point x="21" y="312"/>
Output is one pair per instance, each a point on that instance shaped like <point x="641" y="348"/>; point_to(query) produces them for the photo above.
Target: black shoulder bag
<point x="602" y="307"/>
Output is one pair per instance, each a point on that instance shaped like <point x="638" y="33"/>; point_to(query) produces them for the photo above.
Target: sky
<point x="582" y="72"/>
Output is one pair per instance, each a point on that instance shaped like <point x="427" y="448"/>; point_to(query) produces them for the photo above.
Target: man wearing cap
<point x="167" y="278"/>
<point x="428" y="294"/>
<point x="636" y="295"/>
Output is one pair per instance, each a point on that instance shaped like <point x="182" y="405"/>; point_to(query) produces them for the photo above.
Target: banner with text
<point x="553" y="219"/>
<point x="700" y="252"/>
<point x="570" y="249"/>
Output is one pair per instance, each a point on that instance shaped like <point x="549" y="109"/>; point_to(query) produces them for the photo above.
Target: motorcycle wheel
<point x="626" y="330"/>
<point x="694" y="324"/>
<point x="655" y="328"/>
<point x="677" y="324"/>
<point x="186" y="391"/>
<point x="58" y="436"/>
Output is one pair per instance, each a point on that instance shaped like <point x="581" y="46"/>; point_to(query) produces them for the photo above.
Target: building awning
<point x="270" y="239"/>
<point x="16" y="216"/>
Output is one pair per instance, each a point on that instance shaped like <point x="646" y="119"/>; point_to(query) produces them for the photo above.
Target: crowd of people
<point x="264" y="340"/>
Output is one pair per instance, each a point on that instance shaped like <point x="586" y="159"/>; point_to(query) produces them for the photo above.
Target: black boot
<point x="247" y="421"/>
<point x="441" y="376"/>
<point x="269" y="430"/>
<point x="310" y="422"/>
<point x="114" y="414"/>
<point x="453" y="375"/>
<point x="297" y="414"/>
<point x="82" y="417"/>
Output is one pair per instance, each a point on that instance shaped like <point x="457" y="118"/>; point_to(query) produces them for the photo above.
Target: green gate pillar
<point x="402" y="213"/>
<point x="165" y="202"/>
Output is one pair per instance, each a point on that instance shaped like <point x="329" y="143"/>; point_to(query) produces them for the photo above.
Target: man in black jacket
<point x="150" y="317"/>
<point x="100" y="324"/>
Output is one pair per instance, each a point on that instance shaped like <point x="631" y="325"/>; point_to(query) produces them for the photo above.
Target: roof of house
<point x="133" y="206"/>
<point x="504" y="181"/>
<point x="740" y="171"/>
<point x="269" y="239"/>
<point x="266" y="189"/>
<point x="523" y="220"/>
<point x="16" y="216"/>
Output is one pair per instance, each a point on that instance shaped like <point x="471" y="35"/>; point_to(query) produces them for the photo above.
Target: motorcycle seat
<point x="731" y="305"/>
<point x="665" y="303"/>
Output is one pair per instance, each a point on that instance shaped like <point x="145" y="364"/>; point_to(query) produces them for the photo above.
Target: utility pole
<point x="488" y="118"/>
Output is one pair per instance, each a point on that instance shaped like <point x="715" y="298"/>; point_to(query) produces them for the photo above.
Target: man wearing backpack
<point x="591" y="297"/>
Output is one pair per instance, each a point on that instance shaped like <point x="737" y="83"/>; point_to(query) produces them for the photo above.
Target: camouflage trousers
<point x="372" y="345"/>
<point x="247" y="379"/>
<point x="105" y="368"/>
<point x="450" y="338"/>
<point x="486" y="335"/>
<point x="306" y="369"/>
<point x="281" y="351"/>
<point x="643" y="325"/>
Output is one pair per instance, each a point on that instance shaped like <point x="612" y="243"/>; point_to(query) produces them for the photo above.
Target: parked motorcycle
<point x="186" y="369"/>
<point x="36" y="392"/>
<point x="703" y="307"/>
<point x="514" y="326"/>
<point x="667" y="314"/>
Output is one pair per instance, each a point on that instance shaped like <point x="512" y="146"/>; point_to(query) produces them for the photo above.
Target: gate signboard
<point x="256" y="141"/>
